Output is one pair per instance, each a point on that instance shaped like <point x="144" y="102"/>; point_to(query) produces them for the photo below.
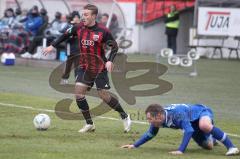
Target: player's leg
<point x="75" y="63"/>
<point x="81" y="86"/>
<point x="102" y="84"/>
<point x="174" y="44"/>
<point x="67" y="70"/>
<point x="169" y="44"/>
<point x="114" y="104"/>
<point x="202" y="139"/>
<point x="205" y="124"/>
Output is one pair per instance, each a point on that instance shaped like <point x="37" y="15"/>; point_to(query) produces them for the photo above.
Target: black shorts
<point x="88" y="78"/>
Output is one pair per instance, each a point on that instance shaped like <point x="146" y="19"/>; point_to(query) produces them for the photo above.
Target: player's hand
<point x="47" y="50"/>
<point x="128" y="146"/>
<point x="109" y="66"/>
<point x="176" y="152"/>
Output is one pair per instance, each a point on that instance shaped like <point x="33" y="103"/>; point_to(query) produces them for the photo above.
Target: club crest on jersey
<point x="95" y="37"/>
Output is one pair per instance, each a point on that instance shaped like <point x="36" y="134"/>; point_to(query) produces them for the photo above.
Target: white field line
<point x="101" y="117"/>
<point x="53" y="111"/>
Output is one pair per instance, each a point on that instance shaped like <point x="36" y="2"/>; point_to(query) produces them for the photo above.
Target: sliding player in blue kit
<point x="195" y="120"/>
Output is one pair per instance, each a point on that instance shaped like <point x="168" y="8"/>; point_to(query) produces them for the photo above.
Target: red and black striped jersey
<point x="92" y="42"/>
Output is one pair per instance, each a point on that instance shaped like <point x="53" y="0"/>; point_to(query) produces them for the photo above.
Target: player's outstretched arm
<point x="151" y="133"/>
<point x="188" y="131"/>
<point x="128" y="146"/>
<point x="48" y="50"/>
<point x="69" y="32"/>
<point x="109" y="66"/>
<point x="109" y="40"/>
<point x="176" y="152"/>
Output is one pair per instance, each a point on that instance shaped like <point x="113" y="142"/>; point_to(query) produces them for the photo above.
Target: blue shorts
<point x="200" y="137"/>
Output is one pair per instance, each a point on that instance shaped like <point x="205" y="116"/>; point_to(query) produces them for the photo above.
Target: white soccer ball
<point x="42" y="122"/>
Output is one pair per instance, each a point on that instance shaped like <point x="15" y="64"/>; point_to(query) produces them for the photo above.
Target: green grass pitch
<point x="218" y="85"/>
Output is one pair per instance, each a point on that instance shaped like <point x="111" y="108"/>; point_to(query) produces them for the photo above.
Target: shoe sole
<point x="233" y="154"/>
<point x="89" y="131"/>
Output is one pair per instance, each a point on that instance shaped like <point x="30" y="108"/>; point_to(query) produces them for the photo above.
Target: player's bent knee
<point x="80" y="90"/>
<point x="205" y="124"/>
<point x="205" y="127"/>
<point x="208" y="145"/>
<point x="79" y="96"/>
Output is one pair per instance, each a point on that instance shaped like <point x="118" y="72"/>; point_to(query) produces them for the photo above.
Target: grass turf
<point x="217" y="85"/>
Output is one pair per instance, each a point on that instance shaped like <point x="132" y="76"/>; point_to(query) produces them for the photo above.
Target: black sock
<point x="114" y="104"/>
<point x="83" y="106"/>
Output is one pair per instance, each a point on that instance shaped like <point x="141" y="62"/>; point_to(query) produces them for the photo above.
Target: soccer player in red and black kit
<point x="93" y="65"/>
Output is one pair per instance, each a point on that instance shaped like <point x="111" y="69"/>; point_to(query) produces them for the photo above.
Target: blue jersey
<point x="179" y="116"/>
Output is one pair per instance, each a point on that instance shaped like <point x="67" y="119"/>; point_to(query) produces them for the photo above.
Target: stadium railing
<point x="220" y="43"/>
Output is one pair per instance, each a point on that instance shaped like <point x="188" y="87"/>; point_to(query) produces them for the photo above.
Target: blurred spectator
<point x="37" y="40"/>
<point x="64" y="24"/>
<point x="16" y="41"/>
<point x="34" y="21"/>
<point x="113" y="26"/>
<point x="72" y="49"/>
<point x="8" y="18"/>
<point x="56" y="20"/>
<point x="75" y="17"/>
<point x="104" y="19"/>
<point x="54" y="31"/>
<point x="45" y="18"/>
<point x="20" y="17"/>
<point x="19" y="38"/>
<point x="57" y="25"/>
<point x="69" y="18"/>
<point x="172" y="25"/>
<point x="18" y="11"/>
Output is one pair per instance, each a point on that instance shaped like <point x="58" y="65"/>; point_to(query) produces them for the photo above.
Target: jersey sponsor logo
<point x="86" y="43"/>
<point x="95" y="37"/>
